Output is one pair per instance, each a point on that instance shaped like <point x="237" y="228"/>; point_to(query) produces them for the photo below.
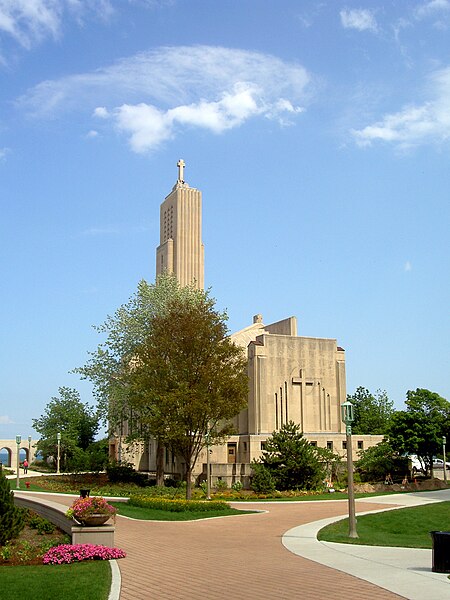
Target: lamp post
<point x="444" y="441"/>
<point x="208" y="469"/>
<point x="29" y="448"/>
<point x="18" y="440"/>
<point x="348" y="418"/>
<point x="58" y="437"/>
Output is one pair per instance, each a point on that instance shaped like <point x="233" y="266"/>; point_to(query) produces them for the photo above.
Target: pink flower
<point x="83" y="507"/>
<point x="69" y="553"/>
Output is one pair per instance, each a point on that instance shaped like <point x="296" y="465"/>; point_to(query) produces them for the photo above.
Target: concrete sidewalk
<point x="403" y="571"/>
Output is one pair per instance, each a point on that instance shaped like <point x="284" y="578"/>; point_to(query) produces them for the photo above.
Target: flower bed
<point x="177" y="505"/>
<point x="69" y="553"/>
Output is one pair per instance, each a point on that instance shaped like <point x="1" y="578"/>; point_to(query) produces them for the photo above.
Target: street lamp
<point x="29" y="448"/>
<point x="208" y="469"/>
<point x="18" y="440"/>
<point x="348" y="418"/>
<point x="444" y="441"/>
<point x="58" y="437"/>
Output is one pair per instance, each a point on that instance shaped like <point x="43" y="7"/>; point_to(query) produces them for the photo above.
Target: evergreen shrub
<point x="11" y="518"/>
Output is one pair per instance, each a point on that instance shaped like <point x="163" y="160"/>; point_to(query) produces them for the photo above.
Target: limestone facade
<point x="181" y="249"/>
<point x="290" y="377"/>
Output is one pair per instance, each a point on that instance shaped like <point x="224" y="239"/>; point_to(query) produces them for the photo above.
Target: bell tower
<point x="181" y="249"/>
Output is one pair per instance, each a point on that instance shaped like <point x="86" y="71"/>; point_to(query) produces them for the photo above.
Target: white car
<point x="416" y="465"/>
<point x="438" y="463"/>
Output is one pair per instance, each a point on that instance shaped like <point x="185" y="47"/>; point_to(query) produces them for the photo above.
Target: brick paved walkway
<point x="233" y="557"/>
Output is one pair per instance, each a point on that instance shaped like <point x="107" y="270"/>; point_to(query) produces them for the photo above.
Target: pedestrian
<point x="25" y="466"/>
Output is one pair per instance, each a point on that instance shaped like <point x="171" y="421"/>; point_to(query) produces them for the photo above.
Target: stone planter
<point x="93" y="520"/>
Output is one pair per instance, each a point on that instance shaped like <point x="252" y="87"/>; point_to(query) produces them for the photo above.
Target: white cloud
<point x="437" y="12"/>
<point x="148" y="126"/>
<point x="92" y="133"/>
<point x="415" y="125"/>
<point x="360" y="19"/>
<point x="101" y="112"/>
<point x="430" y="9"/>
<point x="408" y="266"/>
<point x="5" y="420"/>
<point x="150" y="96"/>
<point x="29" y="22"/>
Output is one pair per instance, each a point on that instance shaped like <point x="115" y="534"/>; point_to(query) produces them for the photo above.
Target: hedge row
<point x="177" y="505"/>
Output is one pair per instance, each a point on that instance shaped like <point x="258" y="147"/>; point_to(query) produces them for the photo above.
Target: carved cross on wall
<point x="301" y="379"/>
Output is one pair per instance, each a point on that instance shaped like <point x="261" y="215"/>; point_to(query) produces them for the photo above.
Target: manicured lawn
<point x="90" y="579"/>
<point x="406" y="527"/>
<point x="149" y="514"/>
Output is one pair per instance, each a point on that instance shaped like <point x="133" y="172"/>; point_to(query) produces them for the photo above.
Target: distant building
<point x="291" y="378"/>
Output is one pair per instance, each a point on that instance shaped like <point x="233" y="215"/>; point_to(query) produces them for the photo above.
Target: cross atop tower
<point x="181" y="165"/>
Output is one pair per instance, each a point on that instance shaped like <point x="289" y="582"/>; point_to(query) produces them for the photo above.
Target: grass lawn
<point x="405" y="527"/>
<point x="89" y="579"/>
<point x="151" y="514"/>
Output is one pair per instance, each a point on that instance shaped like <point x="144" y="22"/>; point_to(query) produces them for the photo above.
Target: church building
<point x="291" y="378"/>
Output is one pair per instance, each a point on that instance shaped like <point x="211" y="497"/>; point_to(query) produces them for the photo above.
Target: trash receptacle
<point x="85" y="493"/>
<point x="441" y="551"/>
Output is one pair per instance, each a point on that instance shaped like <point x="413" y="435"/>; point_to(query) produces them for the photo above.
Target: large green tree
<point x="169" y="369"/>
<point x="75" y="421"/>
<point x="419" y="429"/>
<point x="188" y="379"/>
<point x="124" y="332"/>
<point x="372" y="411"/>
<point x="292" y="462"/>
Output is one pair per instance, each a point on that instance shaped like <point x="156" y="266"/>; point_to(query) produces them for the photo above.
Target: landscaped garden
<point x="37" y="560"/>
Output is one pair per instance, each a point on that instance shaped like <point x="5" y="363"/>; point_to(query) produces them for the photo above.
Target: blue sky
<point x="318" y="133"/>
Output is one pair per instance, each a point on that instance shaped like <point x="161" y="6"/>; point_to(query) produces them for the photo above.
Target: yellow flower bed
<point x="177" y="505"/>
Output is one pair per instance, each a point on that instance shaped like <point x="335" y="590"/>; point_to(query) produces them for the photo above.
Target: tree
<point x="372" y="411"/>
<point x="262" y="479"/>
<point x="125" y="332"/>
<point x="292" y="461"/>
<point x="419" y="429"/>
<point x="188" y="379"/>
<point x="66" y="414"/>
<point x="11" y="519"/>
<point x="377" y="461"/>
<point x="169" y="369"/>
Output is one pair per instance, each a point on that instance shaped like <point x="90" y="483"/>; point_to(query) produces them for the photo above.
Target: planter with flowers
<point x="91" y="511"/>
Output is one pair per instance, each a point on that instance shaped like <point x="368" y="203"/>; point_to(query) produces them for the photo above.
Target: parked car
<point x="438" y="463"/>
<point x="416" y="465"/>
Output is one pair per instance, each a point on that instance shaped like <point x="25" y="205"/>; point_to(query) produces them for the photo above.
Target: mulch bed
<point x="412" y="486"/>
<point x="27" y="549"/>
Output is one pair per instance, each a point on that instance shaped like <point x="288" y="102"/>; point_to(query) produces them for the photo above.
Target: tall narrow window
<point x="281" y="405"/>
<point x="276" y="411"/>
<point x="286" y="400"/>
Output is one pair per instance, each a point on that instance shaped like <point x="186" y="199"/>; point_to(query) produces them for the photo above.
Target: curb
<point x="116" y="581"/>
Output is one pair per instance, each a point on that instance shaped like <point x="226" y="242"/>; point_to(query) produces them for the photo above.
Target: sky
<point x="318" y="133"/>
